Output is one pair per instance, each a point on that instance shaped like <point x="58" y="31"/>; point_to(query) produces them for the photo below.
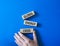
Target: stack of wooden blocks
<point x="27" y="22"/>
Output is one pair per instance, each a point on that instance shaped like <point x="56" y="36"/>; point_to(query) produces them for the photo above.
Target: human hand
<point x="22" y="40"/>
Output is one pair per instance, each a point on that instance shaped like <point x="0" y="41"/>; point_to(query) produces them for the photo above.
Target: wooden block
<point x="26" y="30"/>
<point x="30" y="23"/>
<point x="25" y="16"/>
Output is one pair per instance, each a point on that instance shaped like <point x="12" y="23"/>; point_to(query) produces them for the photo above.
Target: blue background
<point x="47" y="16"/>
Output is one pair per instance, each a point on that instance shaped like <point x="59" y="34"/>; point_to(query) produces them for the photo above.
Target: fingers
<point x="34" y="36"/>
<point x="25" y="38"/>
<point x="17" y="42"/>
<point x="18" y="38"/>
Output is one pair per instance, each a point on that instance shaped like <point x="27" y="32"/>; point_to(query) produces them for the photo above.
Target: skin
<point x="22" y="40"/>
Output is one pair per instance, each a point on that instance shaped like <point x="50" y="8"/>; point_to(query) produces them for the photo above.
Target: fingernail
<point x="20" y="34"/>
<point x="15" y="34"/>
<point x="14" y="37"/>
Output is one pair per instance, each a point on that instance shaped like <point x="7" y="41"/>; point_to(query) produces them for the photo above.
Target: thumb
<point x="34" y="36"/>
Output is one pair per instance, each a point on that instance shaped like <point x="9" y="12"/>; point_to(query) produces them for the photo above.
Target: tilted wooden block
<point x="25" y="16"/>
